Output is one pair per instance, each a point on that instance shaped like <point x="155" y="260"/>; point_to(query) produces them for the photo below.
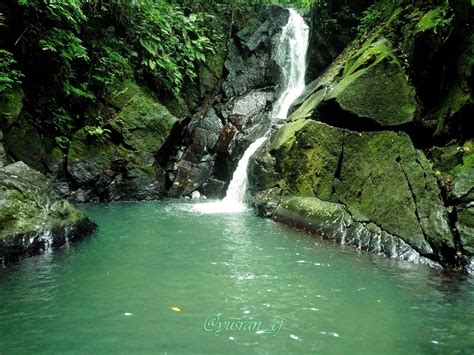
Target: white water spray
<point x="290" y="56"/>
<point x="234" y="201"/>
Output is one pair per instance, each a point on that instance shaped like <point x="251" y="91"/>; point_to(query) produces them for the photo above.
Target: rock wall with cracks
<point x="378" y="152"/>
<point x="211" y="142"/>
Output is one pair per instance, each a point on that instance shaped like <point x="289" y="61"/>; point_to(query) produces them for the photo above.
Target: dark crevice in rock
<point x="117" y="139"/>
<point x="172" y="142"/>
<point x="331" y="113"/>
<point x="413" y="195"/>
<point x="461" y="125"/>
<point x="72" y="183"/>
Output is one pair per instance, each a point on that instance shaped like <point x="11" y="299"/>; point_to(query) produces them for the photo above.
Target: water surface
<point x="114" y="292"/>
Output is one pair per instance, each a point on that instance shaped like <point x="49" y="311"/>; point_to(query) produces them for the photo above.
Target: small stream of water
<point x="290" y="57"/>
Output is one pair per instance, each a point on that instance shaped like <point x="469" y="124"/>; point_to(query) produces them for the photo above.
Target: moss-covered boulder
<point x="32" y="216"/>
<point x="378" y="177"/>
<point x="121" y="164"/>
<point x="24" y="143"/>
<point x="367" y="83"/>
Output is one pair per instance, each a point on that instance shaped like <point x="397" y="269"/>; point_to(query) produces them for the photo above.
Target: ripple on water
<point x="107" y="287"/>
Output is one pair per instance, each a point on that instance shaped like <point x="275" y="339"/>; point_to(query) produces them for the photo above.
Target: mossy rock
<point x="379" y="177"/>
<point x="333" y="221"/>
<point x="143" y="122"/>
<point x="120" y="95"/>
<point x="122" y="166"/>
<point x="90" y="159"/>
<point x="370" y="76"/>
<point x="366" y="95"/>
<point x="367" y="81"/>
<point x="32" y="216"/>
<point x="27" y="145"/>
<point x="11" y="104"/>
<point x="307" y="156"/>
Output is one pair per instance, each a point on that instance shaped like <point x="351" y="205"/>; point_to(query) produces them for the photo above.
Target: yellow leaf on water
<point x="176" y="309"/>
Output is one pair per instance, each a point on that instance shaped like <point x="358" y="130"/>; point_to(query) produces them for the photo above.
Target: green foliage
<point x="69" y="54"/>
<point x="377" y="14"/>
<point x="8" y="75"/>
<point x="62" y="141"/>
<point x="97" y="131"/>
<point x="436" y="19"/>
<point x="171" y="44"/>
<point x="73" y="52"/>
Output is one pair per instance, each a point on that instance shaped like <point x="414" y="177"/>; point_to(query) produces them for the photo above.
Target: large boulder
<point x="121" y="164"/>
<point x="334" y="221"/>
<point x="378" y="177"/>
<point x="32" y="216"/>
<point x="24" y="143"/>
<point x="365" y="88"/>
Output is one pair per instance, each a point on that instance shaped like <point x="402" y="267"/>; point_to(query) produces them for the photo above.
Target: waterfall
<point x="290" y="57"/>
<point x="238" y="186"/>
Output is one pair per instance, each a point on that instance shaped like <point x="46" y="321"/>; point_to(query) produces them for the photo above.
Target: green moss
<point x="11" y="104"/>
<point x="29" y="205"/>
<point x="120" y="95"/>
<point x="365" y="93"/>
<point x="379" y="177"/>
<point x="286" y="135"/>
<point x="308" y="155"/>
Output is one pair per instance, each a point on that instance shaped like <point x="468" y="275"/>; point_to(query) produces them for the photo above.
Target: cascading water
<point x="290" y="57"/>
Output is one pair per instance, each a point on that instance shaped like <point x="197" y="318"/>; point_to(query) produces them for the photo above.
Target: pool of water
<point x="158" y="277"/>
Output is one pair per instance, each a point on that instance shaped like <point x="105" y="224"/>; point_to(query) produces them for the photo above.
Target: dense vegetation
<point x="67" y="55"/>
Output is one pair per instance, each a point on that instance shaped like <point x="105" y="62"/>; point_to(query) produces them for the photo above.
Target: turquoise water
<point x="269" y="288"/>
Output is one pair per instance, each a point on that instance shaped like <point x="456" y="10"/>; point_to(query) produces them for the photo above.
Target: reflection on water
<point x="116" y="291"/>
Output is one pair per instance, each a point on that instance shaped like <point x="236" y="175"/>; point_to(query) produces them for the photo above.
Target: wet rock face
<point x="332" y="220"/>
<point x="249" y="63"/>
<point x="378" y="178"/>
<point x="214" y="141"/>
<point x="33" y="217"/>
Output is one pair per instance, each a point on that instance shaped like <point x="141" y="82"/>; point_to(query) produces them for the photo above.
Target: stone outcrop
<point x="121" y="164"/>
<point x="361" y="157"/>
<point x="33" y="217"/>
<point x="211" y="144"/>
<point x="377" y="178"/>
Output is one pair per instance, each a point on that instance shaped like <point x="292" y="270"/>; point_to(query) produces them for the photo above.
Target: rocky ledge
<point x="376" y="155"/>
<point x="33" y="218"/>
